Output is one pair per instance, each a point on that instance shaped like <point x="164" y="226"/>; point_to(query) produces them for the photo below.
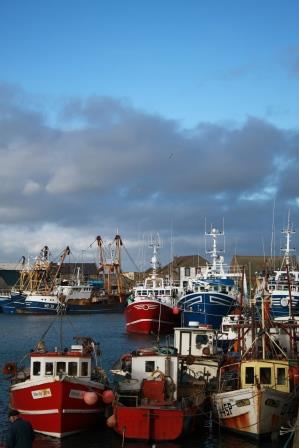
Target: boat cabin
<point x="273" y="374"/>
<point x="280" y="282"/>
<point x="149" y="366"/>
<point x="157" y="293"/>
<point x="197" y="346"/>
<point x="195" y="340"/>
<point x="223" y="286"/>
<point x="50" y="364"/>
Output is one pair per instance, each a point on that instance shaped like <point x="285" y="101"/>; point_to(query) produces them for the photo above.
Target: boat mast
<point x="117" y="266"/>
<point x="217" y="260"/>
<point x="287" y="251"/>
<point x="288" y="232"/>
<point x="66" y="252"/>
<point x="155" y="244"/>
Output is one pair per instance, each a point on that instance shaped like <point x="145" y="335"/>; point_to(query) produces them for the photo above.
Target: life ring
<point x="158" y="375"/>
<point x="147" y="352"/>
<point x="190" y="359"/>
<point x="206" y="351"/>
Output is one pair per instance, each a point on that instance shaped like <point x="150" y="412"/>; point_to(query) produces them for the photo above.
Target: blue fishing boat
<point x="213" y="293"/>
<point x="5" y="298"/>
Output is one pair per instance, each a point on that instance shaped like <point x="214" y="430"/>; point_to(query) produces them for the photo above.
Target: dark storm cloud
<point x="108" y="165"/>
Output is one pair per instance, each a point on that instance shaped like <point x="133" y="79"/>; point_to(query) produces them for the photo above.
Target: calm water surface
<point x="18" y="334"/>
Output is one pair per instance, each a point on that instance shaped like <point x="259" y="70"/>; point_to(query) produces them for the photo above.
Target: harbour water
<point x="18" y="334"/>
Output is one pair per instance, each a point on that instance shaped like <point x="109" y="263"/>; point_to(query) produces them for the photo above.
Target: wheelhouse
<point x="272" y="374"/>
<point x="50" y="364"/>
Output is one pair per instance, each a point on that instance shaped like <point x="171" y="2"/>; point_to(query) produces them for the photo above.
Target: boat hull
<point x="41" y="306"/>
<point x="254" y="411"/>
<point x="110" y="306"/>
<point x="153" y="423"/>
<point x="280" y="304"/>
<point x="205" y="308"/>
<point x="150" y="317"/>
<point x="57" y="407"/>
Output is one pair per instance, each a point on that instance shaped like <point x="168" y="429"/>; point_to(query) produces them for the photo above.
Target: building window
<point x="187" y="272"/>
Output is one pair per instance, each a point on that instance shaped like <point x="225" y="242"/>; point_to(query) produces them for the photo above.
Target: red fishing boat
<point x="63" y="392"/>
<point x="152" y="306"/>
<point x="156" y="400"/>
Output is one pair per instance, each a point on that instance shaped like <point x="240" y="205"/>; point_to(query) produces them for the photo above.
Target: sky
<point x="148" y="118"/>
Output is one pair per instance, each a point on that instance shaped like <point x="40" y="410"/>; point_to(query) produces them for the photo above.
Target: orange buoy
<point x="176" y="310"/>
<point x="108" y="396"/>
<point x="90" y="398"/>
<point x="111" y="421"/>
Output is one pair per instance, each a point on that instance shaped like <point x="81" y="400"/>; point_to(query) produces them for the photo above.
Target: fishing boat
<point x="63" y="391"/>
<point x="38" y="293"/>
<point x="41" y="290"/>
<point x="283" y="284"/>
<point x="151" y="307"/>
<point x="160" y="397"/>
<point x="214" y="292"/>
<point x="5" y="298"/>
<point x="258" y="382"/>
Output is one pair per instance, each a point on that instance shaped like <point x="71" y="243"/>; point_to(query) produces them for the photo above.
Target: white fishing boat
<point x="258" y="383"/>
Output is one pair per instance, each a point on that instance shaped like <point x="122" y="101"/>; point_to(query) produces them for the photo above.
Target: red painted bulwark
<point x="149" y="423"/>
<point x="133" y="423"/>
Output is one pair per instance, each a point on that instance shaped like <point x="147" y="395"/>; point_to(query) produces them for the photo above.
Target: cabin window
<point x="36" y="368"/>
<point x="149" y="366"/>
<point x="60" y="368"/>
<point x="281" y="376"/>
<point x="265" y="375"/>
<point x="49" y="368"/>
<point x="72" y="369"/>
<point x="201" y="339"/>
<point x="249" y="375"/>
<point x="84" y="369"/>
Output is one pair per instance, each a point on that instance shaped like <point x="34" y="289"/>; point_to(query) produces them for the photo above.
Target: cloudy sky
<point x="148" y="116"/>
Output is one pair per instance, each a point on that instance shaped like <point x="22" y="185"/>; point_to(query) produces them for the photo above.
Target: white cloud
<point x="31" y="187"/>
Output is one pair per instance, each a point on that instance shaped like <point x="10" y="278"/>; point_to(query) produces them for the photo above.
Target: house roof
<point x="11" y="266"/>
<point x="261" y="263"/>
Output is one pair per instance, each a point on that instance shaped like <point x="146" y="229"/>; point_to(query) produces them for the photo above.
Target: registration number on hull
<point x="225" y="410"/>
